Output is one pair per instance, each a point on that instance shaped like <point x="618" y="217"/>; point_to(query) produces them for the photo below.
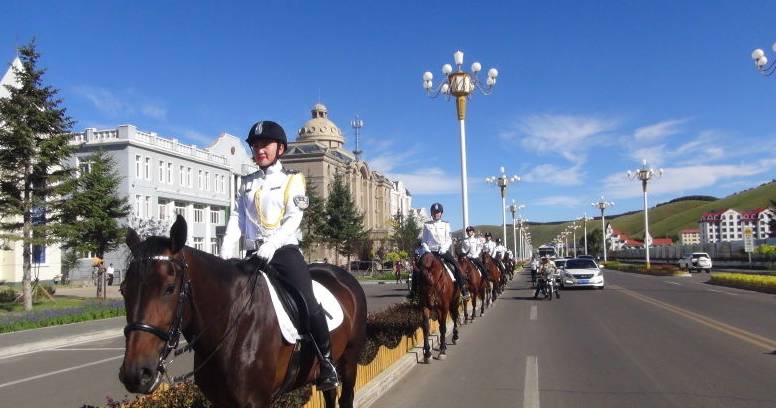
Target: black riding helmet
<point x="267" y="130"/>
<point x="469" y="229"/>
<point x="436" y="207"/>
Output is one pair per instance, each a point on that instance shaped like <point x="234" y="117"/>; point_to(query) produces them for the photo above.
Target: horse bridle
<point x="171" y="338"/>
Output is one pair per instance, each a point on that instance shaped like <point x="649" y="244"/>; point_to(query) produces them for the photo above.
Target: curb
<point x="13" y="351"/>
<point x="380" y="385"/>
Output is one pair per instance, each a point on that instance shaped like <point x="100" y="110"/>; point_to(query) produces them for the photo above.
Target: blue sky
<point x="586" y="89"/>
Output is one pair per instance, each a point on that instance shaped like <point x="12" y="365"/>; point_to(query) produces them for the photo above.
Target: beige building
<point x="691" y="236"/>
<point x="319" y="153"/>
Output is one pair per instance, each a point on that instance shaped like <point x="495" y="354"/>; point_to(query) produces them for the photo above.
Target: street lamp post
<point x="514" y="208"/>
<point x="602" y="205"/>
<point x="461" y="84"/>
<point x="645" y="173"/>
<point x="584" y="220"/>
<point x="761" y="61"/>
<point x="574" y="238"/>
<point x="502" y="181"/>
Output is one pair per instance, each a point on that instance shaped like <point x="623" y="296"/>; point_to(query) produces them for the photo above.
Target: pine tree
<point x="344" y="228"/>
<point x="34" y="145"/>
<point x="90" y="216"/>
<point x="406" y="231"/>
<point x="314" y="220"/>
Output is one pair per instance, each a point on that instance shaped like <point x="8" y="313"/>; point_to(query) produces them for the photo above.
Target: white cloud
<point x="551" y="174"/>
<point x="567" y="135"/>
<point x="558" y="201"/>
<point x="686" y="179"/>
<point x="428" y="181"/>
<point x="707" y="147"/>
<point x="658" y="130"/>
<point x="122" y="105"/>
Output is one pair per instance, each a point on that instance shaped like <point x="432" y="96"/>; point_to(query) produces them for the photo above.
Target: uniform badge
<point x="301" y="201"/>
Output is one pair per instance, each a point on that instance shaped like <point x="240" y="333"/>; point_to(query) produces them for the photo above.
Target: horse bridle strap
<point x="146" y="328"/>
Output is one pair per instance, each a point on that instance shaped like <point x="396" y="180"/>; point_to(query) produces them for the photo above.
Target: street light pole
<point x="603" y="205"/>
<point x="645" y="173"/>
<point x="514" y="208"/>
<point x="461" y="84"/>
<point x="584" y="223"/>
<point x="502" y="181"/>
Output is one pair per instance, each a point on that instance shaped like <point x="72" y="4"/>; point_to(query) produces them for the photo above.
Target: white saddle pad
<point x="449" y="272"/>
<point x="331" y="307"/>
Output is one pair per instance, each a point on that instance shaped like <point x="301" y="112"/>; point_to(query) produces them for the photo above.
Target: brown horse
<point x="494" y="277"/>
<point x="437" y="293"/>
<point x="476" y="284"/>
<point x="227" y="317"/>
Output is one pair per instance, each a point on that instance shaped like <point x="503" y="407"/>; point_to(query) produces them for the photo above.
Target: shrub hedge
<point x="90" y="310"/>
<point x="760" y="283"/>
<point x="656" y="269"/>
<point x="385" y="328"/>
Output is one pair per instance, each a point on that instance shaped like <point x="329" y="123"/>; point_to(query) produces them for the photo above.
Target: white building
<point x="728" y="224"/>
<point x="401" y="199"/>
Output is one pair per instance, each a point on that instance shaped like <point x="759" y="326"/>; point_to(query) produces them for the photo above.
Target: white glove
<point x="267" y="251"/>
<point x="426" y="248"/>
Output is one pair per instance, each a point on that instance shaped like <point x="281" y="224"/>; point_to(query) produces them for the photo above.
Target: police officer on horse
<point x="471" y="246"/>
<point x="437" y="239"/>
<point x="267" y="214"/>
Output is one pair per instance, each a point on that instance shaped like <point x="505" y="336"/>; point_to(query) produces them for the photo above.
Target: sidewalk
<point x="88" y="292"/>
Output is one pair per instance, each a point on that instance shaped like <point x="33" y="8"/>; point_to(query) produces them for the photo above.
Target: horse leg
<point x="426" y="330"/>
<point x="475" y="293"/>
<point x="456" y="315"/>
<point x="348" y="371"/>
<point x="443" y="313"/>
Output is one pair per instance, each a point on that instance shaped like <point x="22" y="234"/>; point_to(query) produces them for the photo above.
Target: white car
<point x="696" y="261"/>
<point x="583" y="273"/>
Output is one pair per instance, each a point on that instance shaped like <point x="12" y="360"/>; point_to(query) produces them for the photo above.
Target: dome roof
<point x="320" y="128"/>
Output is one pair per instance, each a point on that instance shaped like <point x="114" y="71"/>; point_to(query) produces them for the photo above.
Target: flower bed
<point x="760" y="283"/>
<point x="90" y="309"/>
<point x="391" y="333"/>
<point x="655" y="270"/>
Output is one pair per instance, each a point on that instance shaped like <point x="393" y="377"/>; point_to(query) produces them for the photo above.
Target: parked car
<point x="582" y="272"/>
<point x="696" y="261"/>
<point x="365" y="266"/>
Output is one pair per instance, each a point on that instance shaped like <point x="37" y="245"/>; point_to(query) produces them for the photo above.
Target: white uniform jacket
<point x="268" y="208"/>
<point x="436" y="236"/>
<point x="489" y="247"/>
<point x="471" y="247"/>
<point x="499" y="250"/>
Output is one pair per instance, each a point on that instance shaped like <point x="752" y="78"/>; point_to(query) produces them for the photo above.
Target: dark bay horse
<point x="494" y="277"/>
<point x="476" y="284"/>
<point x="437" y="293"/>
<point x="226" y="315"/>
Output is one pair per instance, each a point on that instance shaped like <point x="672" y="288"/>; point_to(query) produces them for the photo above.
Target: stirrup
<point x="327" y="377"/>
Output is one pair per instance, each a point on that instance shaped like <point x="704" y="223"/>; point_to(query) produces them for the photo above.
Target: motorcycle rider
<point x="546" y="271"/>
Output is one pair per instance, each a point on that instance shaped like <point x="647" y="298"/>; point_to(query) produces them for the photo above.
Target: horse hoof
<point x="442" y="356"/>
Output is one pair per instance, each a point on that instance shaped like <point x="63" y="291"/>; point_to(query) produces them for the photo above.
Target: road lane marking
<point x="64" y="370"/>
<point x="674" y="283"/>
<point x="533" y="312"/>
<point x="749" y="337"/>
<point x="90" y="349"/>
<point x="45" y="345"/>
<point x="531" y="389"/>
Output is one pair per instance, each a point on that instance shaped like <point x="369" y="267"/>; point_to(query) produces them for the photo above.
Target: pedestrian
<point x="110" y="272"/>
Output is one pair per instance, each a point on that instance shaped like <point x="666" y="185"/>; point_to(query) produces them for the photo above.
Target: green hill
<point x="665" y="219"/>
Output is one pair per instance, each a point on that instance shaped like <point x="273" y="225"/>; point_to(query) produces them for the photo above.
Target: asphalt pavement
<point x="68" y="369"/>
<point x="643" y="341"/>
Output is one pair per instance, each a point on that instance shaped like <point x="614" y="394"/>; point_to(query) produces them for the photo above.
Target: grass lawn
<point x="59" y="302"/>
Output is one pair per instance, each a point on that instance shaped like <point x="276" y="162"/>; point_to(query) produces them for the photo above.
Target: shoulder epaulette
<point x="429" y="222"/>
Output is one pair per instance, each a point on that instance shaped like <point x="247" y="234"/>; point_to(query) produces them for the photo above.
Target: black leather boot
<point x="327" y="375"/>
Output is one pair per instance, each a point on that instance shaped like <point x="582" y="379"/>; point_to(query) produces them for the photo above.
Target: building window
<point x="38" y="254"/>
<point x="162" y="207"/>
<point x="199" y="180"/>
<point x="147" y="168"/>
<point x="213" y="245"/>
<point x="169" y="173"/>
<point x="207" y="181"/>
<point x="189" y="180"/>
<point x="183" y="175"/>
<point x="223" y="183"/>
<point x="138" y="160"/>
<point x="215" y="215"/>
<point x="199" y="243"/>
<point x="180" y="209"/>
<point x="137" y="206"/>
<point x="161" y="171"/>
<point x="147" y="208"/>
<point x="198" y="215"/>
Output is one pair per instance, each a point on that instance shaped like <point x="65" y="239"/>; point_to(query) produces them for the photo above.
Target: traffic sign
<point x="748" y="240"/>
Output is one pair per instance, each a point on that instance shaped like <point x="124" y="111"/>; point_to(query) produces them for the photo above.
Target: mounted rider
<point x="472" y="247"/>
<point x="267" y="213"/>
<point x="437" y="239"/>
<point x="489" y="246"/>
<point x="499" y="252"/>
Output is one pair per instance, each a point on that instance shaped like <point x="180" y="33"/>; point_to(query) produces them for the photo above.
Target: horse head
<point x="154" y="292"/>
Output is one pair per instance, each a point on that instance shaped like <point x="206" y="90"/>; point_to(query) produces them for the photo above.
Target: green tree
<point x="594" y="243"/>
<point x="314" y="220"/>
<point x="406" y="231"/>
<point x="344" y="228"/>
<point x="34" y="147"/>
<point x="90" y="216"/>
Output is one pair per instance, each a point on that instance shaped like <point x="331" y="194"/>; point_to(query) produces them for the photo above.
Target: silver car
<point x="582" y="273"/>
<point x="696" y="261"/>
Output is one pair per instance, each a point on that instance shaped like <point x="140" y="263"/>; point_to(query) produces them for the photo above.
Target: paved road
<point x="88" y="372"/>
<point x="642" y="342"/>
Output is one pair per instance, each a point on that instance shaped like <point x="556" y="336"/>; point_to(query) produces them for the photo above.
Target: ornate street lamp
<point x="584" y="220"/>
<point x="761" y="61"/>
<point x="514" y="208"/>
<point x="574" y="237"/>
<point x="502" y="182"/>
<point x="645" y="173"/>
<point x="460" y="85"/>
<point x="603" y="205"/>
